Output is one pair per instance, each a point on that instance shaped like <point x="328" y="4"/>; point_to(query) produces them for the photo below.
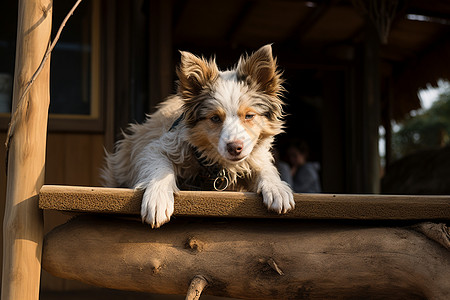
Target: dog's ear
<point x="260" y="69"/>
<point x="194" y="74"/>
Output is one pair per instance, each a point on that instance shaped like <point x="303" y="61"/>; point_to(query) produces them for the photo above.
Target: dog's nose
<point x="235" y="148"/>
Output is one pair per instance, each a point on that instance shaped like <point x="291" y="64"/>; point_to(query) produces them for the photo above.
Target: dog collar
<point x="177" y="121"/>
<point x="215" y="172"/>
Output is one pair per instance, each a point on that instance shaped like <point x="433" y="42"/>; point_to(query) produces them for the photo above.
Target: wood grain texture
<point x="249" y="205"/>
<point x="23" y="224"/>
<point x="251" y="259"/>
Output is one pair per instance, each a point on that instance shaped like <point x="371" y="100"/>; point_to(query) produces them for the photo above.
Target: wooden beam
<point x="249" y="205"/>
<point x="109" y="85"/>
<point x="161" y="66"/>
<point x="23" y="224"/>
<point x="253" y="259"/>
<point x="363" y="163"/>
<point x="305" y="25"/>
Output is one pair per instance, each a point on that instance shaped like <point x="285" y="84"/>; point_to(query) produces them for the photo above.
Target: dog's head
<point x="229" y="113"/>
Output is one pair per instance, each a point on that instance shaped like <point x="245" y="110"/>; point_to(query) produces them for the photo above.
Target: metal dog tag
<point x="221" y="182"/>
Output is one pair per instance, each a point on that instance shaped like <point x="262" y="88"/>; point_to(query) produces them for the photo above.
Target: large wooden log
<point x="249" y="205"/>
<point x="23" y="224"/>
<point x="251" y="259"/>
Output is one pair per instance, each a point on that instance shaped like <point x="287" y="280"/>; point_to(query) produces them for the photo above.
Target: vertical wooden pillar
<point x="23" y="224"/>
<point x="122" y="64"/>
<point x="387" y="121"/>
<point x="110" y="80"/>
<point x="364" y="162"/>
<point x="333" y="118"/>
<point x="161" y="65"/>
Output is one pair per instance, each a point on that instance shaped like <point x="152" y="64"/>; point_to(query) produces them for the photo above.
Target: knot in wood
<point x="46" y="9"/>
<point x="194" y="244"/>
<point x="269" y="265"/>
<point x="155" y="265"/>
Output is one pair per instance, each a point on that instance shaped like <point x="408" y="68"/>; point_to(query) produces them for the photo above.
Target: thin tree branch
<point x="21" y="104"/>
<point x="198" y="284"/>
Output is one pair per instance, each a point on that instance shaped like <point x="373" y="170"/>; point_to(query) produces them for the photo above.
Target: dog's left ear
<point x="194" y="74"/>
<point x="260" y="69"/>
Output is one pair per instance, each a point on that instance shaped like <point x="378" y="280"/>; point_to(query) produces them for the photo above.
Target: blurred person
<point x="303" y="175"/>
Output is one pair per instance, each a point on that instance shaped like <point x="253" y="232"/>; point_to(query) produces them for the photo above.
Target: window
<point x="75" y="67"/>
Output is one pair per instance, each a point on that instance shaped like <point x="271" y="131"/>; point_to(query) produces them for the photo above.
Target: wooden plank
<point x="249" y="205"/>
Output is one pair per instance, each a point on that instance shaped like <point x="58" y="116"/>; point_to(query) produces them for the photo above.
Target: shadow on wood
<point x="250" y="259"/>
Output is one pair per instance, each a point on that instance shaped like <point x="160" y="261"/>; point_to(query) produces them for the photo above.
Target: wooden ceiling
<point x="315" y="25"/>
<point x="319" y="33"/>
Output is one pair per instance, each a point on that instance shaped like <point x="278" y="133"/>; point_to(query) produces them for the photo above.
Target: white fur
<point x="153" y="156"/>
<point x="232" y="131"/>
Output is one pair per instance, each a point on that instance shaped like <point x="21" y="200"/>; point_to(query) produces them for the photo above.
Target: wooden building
<point x="349" y="68"/>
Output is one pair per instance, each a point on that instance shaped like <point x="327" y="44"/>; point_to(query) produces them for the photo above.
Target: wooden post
<point x="23" y="223"/>
<point x="363" y="158"/>
<point x="160" y="67"/>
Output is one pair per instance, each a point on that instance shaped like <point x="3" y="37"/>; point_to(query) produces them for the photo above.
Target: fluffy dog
<point x="215" y="133"/>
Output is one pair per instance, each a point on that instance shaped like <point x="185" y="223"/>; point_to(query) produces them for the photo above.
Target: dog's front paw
<point x="277" y="196"/>
<point x="157" y="206"/>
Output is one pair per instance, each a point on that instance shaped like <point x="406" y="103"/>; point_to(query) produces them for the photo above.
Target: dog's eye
<point x="249" y="116"/>
<point x="215" y="119"/>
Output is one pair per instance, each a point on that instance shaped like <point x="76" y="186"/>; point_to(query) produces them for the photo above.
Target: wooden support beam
<point x="160" y="42"/>
<point x="305" y="25"/>
<point x="22" y="223"/>
<point x="363" y="163"/>
<point x="252" y="259"/>
<point x="249" y="205"/>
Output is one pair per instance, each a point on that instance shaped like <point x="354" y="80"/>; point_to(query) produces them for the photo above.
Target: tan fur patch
<point x="219" y="112"/>
<point x="195" y="74"/>
<point x="260" y="70"/>
<point x="252" y="126"/>
<point x="205" y="135"/>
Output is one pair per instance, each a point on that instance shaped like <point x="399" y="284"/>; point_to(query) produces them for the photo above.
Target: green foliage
<point x="426" y="130"/>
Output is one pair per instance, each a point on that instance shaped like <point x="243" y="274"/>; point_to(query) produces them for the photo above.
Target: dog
<point x="216" y="132"/>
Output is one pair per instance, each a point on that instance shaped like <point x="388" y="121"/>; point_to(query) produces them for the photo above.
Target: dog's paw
<point x="157" y="206"/>
<point x="277" y="196"/>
